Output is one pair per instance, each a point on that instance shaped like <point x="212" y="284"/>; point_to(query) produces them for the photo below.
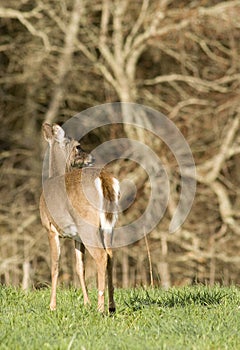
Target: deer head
<point x="65" y="153"/>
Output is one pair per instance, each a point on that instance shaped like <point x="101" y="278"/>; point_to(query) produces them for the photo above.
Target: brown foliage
<point x="179" y="57"/>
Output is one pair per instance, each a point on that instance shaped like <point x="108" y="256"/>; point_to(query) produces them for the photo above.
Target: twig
<point x="149" y="258"/>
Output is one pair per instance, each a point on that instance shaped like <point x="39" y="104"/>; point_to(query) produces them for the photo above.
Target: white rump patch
<point x="116" y="189"/>
<point x="106" y="225"/>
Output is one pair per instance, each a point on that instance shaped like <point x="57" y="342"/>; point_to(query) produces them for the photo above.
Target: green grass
<point x="185" y="318"/>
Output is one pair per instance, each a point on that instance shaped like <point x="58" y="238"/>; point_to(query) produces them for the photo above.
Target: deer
<point x="90" y="223"/>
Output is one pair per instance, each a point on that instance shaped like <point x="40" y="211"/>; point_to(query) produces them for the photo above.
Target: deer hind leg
<point x="107" y="239"/>
<point x="100" y="257"/>
<point x="111" y="302"/>
<point x="55" y="255"/>
<point x="80" y="268"/>
<point x="101" y="270"/>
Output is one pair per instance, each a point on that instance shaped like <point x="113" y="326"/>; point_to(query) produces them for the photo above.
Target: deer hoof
<point x="112" y="310"/>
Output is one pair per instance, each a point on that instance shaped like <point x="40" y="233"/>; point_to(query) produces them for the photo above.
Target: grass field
<point x="186" y="318"/>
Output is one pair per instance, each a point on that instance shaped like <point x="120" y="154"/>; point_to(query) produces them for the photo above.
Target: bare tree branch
<point x="23" y="18"/>
<point x="196" y="83"/>
<point x="209" y="171"/>
<point x="219" y="9"/>
<point x="225" y="206"/>
<point x="65" y="61"/>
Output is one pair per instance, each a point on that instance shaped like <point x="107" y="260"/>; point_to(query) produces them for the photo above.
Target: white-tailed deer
<point x="66" y="211"/>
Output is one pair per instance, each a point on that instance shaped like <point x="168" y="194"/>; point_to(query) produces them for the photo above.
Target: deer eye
<point x="77" y="149"/>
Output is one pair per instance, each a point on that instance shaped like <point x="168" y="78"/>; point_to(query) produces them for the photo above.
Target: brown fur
<point x="80" y="204"/>
<point x="65" y="194"/>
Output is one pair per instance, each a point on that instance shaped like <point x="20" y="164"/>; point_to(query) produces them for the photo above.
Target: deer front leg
<point x="80" y="268"/>
<point x="55" y="254"/>
<point x="111" y="302"/>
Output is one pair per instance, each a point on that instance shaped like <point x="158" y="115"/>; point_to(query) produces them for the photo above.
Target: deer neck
<point x="57" y="161"/>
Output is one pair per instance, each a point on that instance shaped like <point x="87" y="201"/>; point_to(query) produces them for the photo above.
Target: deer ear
<point x="47" y="131"/>
<point x="58" y="132"/>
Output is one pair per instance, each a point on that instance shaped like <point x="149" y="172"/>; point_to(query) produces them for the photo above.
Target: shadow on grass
<point x="140" y="299"/>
